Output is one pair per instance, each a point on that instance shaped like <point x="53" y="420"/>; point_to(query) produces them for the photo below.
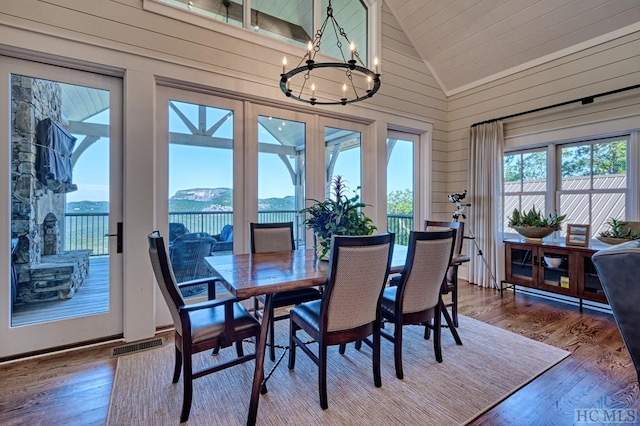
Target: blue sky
<point x="200" y="167"/>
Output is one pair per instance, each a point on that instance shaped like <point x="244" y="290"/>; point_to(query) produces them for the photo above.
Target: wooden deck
<point x="91" y="298"/>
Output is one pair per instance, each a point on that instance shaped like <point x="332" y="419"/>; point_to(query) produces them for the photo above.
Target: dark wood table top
<point x="249" y="275"/>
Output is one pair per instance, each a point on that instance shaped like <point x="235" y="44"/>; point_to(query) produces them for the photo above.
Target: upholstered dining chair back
<point x="432" y="225"/>
<point x="166" y="280"/>
<point x="428" y="258"/>
<point x="357" y="272"/>
<point x="271" y="237"/>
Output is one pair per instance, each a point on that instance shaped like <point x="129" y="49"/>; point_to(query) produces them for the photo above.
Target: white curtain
<point x="486" y="151"/>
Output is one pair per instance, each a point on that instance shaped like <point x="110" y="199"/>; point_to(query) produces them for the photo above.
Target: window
<point x="281" y="172"/>
<point x="593" y="182"/>
<point x="342" y="158"/>
<point x="291" y="21"/>
<point x="589" y="185"/>
<point x="524" y="183"/>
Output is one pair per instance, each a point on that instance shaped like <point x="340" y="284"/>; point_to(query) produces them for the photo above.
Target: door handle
<point x="118" y="234"/>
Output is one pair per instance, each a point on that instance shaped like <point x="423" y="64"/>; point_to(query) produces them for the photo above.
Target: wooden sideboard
<point x="531" y="264"/>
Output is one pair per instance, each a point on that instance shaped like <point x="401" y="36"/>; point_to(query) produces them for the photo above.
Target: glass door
<point x="65" y="227"/>
<point x="282" y="138"/>
<point x="199" y="139"/>
<point x="401" y="159"/>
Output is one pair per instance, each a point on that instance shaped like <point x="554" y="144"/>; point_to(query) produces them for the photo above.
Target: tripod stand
<point x="459" y="212"/>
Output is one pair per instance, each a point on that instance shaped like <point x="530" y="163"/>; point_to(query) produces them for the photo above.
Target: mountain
<point x="193" y="200"/>
<point x="220" y="199"/>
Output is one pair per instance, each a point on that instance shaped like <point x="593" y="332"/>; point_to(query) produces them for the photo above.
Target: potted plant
<point x="337" y="215"/>
<point x="533" y="224"/>
<point x="619" y="231"/>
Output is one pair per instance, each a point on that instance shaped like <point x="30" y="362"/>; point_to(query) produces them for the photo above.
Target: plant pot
<point x="613" y="241"/>
<point x="534" y="232"/>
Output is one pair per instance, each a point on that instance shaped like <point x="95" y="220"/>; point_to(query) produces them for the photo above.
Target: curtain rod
<point x="585" y="100"/>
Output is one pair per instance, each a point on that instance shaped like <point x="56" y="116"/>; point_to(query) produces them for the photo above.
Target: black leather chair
<point x="617" y="267"/>
<point x="213" y="324"/>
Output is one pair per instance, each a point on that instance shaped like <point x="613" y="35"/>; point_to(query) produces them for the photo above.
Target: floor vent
<point x="137" y="347"/>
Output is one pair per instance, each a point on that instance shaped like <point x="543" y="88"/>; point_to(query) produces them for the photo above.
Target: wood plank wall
<point x="602" y="68"/>
<point x="413" y="87"/>
<point x="606" y="67"/>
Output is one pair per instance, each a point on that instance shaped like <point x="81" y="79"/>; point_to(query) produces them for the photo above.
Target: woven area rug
<point x="491" y="365"/>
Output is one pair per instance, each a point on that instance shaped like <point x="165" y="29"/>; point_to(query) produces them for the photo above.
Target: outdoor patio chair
<point x="270" y="238"/>
<point x="187" y="254"/>
<point x="224" y="240"/>
<point x="176" y="229"/>
<point x="417" y="299"/>
<point x="213" y="324"/>
<point x="350" y="306"/>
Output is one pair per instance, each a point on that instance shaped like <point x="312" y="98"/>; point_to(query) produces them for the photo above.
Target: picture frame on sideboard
<point x="578" y="235"/>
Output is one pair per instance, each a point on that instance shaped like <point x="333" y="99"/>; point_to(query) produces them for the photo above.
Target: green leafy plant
<point x="535" y="218"/>
<point x="338" y="215"/>
<point x="619" y="229"/>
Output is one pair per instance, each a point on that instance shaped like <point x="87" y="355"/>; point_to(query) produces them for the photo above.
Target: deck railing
<point x="87" y="230"/>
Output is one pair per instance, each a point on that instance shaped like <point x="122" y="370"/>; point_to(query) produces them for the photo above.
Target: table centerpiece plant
<point x="339" y="214"/>
<point x="533" y="224"/>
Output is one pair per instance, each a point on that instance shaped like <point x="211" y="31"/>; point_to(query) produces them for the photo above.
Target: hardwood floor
<point x="74" y="388"/>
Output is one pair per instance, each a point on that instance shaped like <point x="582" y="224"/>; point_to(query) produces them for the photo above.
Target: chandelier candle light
<point x="351" y="67"/>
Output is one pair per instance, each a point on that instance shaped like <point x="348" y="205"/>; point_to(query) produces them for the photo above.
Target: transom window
<point x="291" y="21"/>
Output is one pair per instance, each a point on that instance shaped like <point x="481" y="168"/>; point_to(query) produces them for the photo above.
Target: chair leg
<point x="377" y="377"/>
<point x="239" y="349"/>
<point x="358" y="345"/>
<point x="292" y="344"/>
<point x="178" y="366"/>
<point x="454" y="299"/>
<point x="272" y="338"/>
<point x="437" y="331"/>
<point x="397" y="350"/>
<point x="256" y="306"/>
<point x="188" y="387"/>
<point x="322" y="375"/>
<point x="342" y="348"/>
<point x="427" y="330"/>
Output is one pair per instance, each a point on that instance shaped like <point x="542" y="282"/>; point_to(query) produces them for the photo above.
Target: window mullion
<point x="246" y="14"/>
<point x="553" y="173"/>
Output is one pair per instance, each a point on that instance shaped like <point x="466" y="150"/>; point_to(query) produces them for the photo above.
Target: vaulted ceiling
<point x="470" y="42"/>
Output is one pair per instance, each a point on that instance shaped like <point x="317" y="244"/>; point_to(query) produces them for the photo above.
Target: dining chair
<point x="212" y="324"/>
<point x="450" y="284"/>
<point x="417" y="299"/>
<point x="350" y="306"/>
<point x="271" y="238"/>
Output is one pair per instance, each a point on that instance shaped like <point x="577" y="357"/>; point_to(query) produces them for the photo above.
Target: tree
<point x="400" y="202"/>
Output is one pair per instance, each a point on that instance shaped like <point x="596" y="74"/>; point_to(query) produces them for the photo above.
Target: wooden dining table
<point x="250" y="275"/>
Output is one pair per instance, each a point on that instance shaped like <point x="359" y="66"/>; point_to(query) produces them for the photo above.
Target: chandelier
<point x="354" y="69"/>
